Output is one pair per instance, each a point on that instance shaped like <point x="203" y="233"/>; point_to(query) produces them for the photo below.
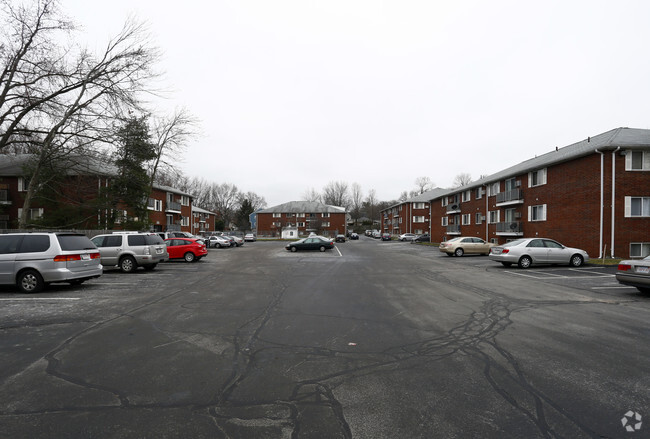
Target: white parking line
<point x="337" y="249"/>
<point x="613" y="288"/>
<point x="39" y="298"/>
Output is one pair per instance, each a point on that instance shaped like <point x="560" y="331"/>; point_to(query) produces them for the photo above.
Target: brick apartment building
<point x="304" y="217"/>
<point x="594" y="195"/>
<point x="169" y="208"/>
<point x="202" y="221"/>
<point x="410" y="216"/>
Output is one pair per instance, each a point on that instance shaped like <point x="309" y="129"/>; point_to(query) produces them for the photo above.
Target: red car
<point x="190" y="249"/>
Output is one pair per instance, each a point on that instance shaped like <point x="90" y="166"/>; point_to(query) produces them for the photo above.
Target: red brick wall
<point x="265" y="224"/>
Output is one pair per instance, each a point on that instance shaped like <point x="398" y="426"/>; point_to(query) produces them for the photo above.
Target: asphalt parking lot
<point x="371" y="340"/>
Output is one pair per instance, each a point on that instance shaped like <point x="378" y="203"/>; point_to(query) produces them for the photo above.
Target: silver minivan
<point x="30" y="261"/>
<point x="129" y="250"/>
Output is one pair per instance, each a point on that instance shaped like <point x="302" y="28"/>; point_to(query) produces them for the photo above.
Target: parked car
<point x="376" y="234"/>
<point x="311" y="243"/>
<point x="340" y="238"/>
<point x="235" y="240"/>
<point x="128" y="251"/>
<point x="421" y="238"/>
<point x="190" y="249"/>
<point x="218" y="241"/>
<point x="465" y="245"/>
<point x="354" y="235"/>
<point x="30" y="261"/>
<point x="407" y="236"/>
<point x="249" y="237"/>
<point x="368" y="233"/>
<point x="529" y="251"/>
<point x="635" y="273"/>
<point x="385" y="237"/>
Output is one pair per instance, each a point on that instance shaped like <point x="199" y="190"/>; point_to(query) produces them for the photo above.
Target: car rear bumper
<point x="633" y="280"/>
<point x="65" y="274"/>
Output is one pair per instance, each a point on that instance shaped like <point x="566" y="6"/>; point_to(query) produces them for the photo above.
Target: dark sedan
<point x="422" y="238"/>
<point x="312" y="243"/>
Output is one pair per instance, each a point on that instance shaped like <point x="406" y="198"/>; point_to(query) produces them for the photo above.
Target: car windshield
<point x="514" y="243"/>
<point x="75" y="242"/>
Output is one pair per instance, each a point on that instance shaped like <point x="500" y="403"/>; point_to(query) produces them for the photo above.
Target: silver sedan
<point x="635" y="273"/>
<point x="528" y="251"/>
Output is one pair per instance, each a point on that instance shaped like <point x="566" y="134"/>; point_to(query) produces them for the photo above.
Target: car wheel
<point x="506" y="264"/>
<point x="459" y="252"/>
<point x="30" y="281"/>
<point x="294" y="249"/>
<point x="525" y="262"/>
<point x="128" y="264"/>
<point x="322" y="248"/>
<point x="576" y="260"/>
<point x="189" y="257"/>
<point x="150" y="267"/>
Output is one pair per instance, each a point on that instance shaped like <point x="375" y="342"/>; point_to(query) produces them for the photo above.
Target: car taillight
<point x="504" y="251"/>
<point x="624" y="267"/>
<point x="67" y="258"/>
<point x="95" y="256"/>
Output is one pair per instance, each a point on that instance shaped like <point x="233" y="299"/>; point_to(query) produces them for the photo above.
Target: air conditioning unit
<point x="517" y="183"/>
<point x="454" y="207"/>
<point x="482" y="217"/>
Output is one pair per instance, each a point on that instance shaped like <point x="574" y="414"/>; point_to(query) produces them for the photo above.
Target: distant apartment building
<point x="303" y="217"/>
<point x="594" y="195"/>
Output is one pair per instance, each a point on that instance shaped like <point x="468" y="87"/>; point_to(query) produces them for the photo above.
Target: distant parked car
<point x="407" y="236"/>
<point x="128" y="251"/>
<point x="529" y="251"/>
<point x="189" y="249"/>
<point x="238" y="242"/>
<point x="385" y="237"/>
<point x="422" y="238"/>
<point x="465" y="245"/>
<point x="30" y="261"/>
<point x="311" y="243"/>
<point x="635" y="273"/>
<point x="218" y="241"/>
<point x="376" y="234"/>
<point x="249" y="237"/>
<point x="340" y="238"/>
<point x="354" y="235"/>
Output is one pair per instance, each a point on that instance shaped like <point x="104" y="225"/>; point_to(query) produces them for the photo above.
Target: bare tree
<point x="371" y="205"/>
<point x="356" y="201"/>
<point x="257" y="201"/>
<point x="336" y="193"/>
<point x="423" y="184"/>
<point x="224" y="200"/>
<point x="403" y="196"/>
<point x="170" y="135"/>
<point x="462" y="179"/>
<point x="311" y="194"/>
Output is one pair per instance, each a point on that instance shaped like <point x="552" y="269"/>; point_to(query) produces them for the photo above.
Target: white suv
<point x="32" y="260"/>
<point x="131" y="250"/>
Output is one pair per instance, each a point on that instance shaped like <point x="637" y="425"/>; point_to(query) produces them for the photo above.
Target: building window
<point x="400" y="220"/>
<point x="493" y="189"/>
<point x="418" y="219"/>
<point x="637" y="206"/>
<point x="277" y="224"/>
<point x="537" y="178"/>
<point x="33" y="214"/>
<point x="537" y="213"/>
<point x="444" y="221"/>
<point x="417" y="231"/>
<point x="637" y="161"/>
<point x="467" y="219"/>
<point x="494" y="216"/>
<point x="185" y="221"/>
<point x="466" y="196"/>
<point x="300" y="215"/>
<point x="290" y="215"/>
<point x="445" y="201"/>
<point x="418" y="205"/>
<point x="301" y="224"/>
<point x="185" y="201"/>
<point x="157" y="205"/>
<point x="277" y="215"/>
<point x="325" y="224"/>
<point x="479" y="218"/>
<point x="326" y="215"/>
<point x="479" y="193"/>
<point x="639" y="249"/>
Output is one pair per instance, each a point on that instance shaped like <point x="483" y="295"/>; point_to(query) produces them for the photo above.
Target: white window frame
<point x="541" y="177"/>
<point x="645" y="207"/>
<point x="185" y="221"/>
<point x="479" y="193"/>
<point x="466" y="219"/>
<point x="418" y="218"/>
<point x="444" y="221"/>
<point x="493" y="189"/>
<point x="643" y="249"/>
<point x="537" y="213"/>
<point x="301" y="224"/>
<point x="494" y="216"/>
<point x="34" y="213"/>
<point x="478" y="219"/>
<point x="645" y="160"/>
<point x="325" y="224"/>
<point x="400" y="220"/>
<point x="466" y="196"/>
<point x="418" y="206"/>
<point x="326" y="214"/>
<point x="185" y="201"/>
<point x="277" y="215"/>
<point x="157" y="205"/>
<point x="445" y="201"/>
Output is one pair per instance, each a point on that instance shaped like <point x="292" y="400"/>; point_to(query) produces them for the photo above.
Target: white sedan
<point x="528" y="251"/>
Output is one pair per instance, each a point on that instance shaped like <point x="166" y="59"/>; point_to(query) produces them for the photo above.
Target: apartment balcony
<point x="173" y="207"/>
<point x="453" y="229"/>
<point x="453" y="208"/>
<point x="510" y="228"/>
<point x="515" y="196"/>
<point x="173" y="227"/>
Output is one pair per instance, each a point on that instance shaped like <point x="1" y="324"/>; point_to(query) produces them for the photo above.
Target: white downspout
<point x="613" y="199"/>
<point x="602" y="207"/>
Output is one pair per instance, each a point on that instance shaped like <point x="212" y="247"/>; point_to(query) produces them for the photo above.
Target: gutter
<point x="602" y="207"/>
<point x="613" y="195"/>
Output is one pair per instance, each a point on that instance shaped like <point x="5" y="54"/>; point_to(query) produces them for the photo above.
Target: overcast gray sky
<point x="294" y="94"/>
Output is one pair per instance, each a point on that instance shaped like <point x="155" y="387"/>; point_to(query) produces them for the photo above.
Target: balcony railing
<point x="513" y="196"/>
<point x="453" y="228"/>
<point x="510" y="227"/>
<point x="173" y="205"/>
<point x="453" y="208"/>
